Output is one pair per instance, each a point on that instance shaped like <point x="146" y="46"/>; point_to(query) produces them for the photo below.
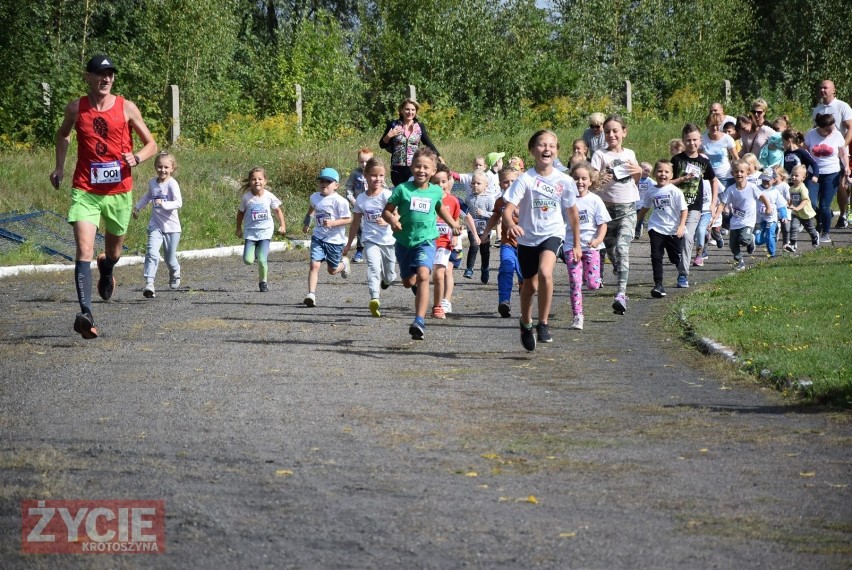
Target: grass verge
<point x="787" y="320"/>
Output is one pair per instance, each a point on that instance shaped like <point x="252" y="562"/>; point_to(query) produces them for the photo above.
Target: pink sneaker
<point x="698" y="261"/>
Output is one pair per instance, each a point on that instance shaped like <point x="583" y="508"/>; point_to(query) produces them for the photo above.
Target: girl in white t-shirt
<point x="620" y="173"/>
<point x="540" y="196"/>
<point x="376" y="234"/>
<point x="255" y="224"/>
<point x="593" y="219"/>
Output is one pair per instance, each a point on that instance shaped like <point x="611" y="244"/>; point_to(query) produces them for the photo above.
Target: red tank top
<point x="102" y="136"/>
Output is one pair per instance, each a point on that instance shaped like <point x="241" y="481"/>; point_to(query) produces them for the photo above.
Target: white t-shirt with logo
<point x="331" y="207"/>
<point x="824" y="150"/>
<point x="257" y="215"/>
<point x="371" y="208"/>
<point x="622" y="189"/>
<point x="743" y="205"/>
<point x="717" y="153"/>
<point x="540" y="201"/>
<point x="592" y="214"/>
<point x="668" y="202"/>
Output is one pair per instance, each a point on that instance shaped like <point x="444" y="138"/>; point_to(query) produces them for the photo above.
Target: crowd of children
<point x="577" y="214"/>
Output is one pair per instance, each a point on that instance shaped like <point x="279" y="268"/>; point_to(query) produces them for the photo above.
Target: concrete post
<point x="412" y="93"/>
<point x="174" y="108"/>
<point x="299" y="108"/>
<point x="628" y="96"/>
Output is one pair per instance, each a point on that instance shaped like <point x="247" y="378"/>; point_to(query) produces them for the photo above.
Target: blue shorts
<point x="331" y="253"/>
<point x="410" y="258"/>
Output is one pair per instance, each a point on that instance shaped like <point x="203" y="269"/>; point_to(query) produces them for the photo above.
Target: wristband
<point x="307" y="221"/>
<point x="138" y="161"/>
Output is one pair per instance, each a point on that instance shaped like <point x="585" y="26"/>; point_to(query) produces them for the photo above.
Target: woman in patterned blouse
<point x="402" y="138"/>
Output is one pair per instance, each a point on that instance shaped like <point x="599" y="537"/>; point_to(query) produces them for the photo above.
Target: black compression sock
<point x="106" y="265"/>
<point x="83" y="282"/>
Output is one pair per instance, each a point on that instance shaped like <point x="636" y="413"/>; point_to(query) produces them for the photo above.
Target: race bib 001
<point x="105" y="172"/>
<point x="420" y="204"/>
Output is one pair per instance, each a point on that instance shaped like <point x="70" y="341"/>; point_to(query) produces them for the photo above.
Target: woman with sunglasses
<point x="755" y="132"/>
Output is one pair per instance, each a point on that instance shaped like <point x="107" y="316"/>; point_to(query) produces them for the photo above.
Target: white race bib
<point x="480" y="225"/>
<point x="443" y="228"/>
<point x="662" y="201"/>
<point x="259" y="214"/>
<point x="105" y="172"/>
<point x="420" y="204"/>
<point x="738" y="213"/>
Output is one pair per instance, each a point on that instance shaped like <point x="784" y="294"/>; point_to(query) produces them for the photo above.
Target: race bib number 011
<point x="419" y="204"/>
<point x="105" y="172"/>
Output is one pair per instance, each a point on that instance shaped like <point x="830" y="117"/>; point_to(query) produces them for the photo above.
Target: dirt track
<point x="287" y="437"/>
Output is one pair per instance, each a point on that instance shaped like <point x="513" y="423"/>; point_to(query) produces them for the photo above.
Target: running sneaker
<point x="358" y="257"/>
<point x="263" y="287"/>
<point x="740" y="265"/>
<point x="468" y="273"/>
<point x="374" y="307"/>
<point x="384" y="284"/>
<point x="148" y="292"/>
<point x="619" y="305"/>
<point x="841" y="223"/>
<point x="417" y="329"/>
<point x="750" y="247"/>
<point x="543" y="333"/>
<point x="788" y="247"/>
<point x="698" y="261"/>
<point x="825" y="238"/>
<point x="345" y="272"/>
<point x="84" y="325"/>
<point x="438" y="312"/>
<point x="527" y="337"/>
<point x="174" y="281"/>
<point x="447" y="306"/>
<point x="106" y="283"/>
<point x="505" y="309"/>
<point x="814" y="242"/>
<point x="577" y="325"/>
<point x="486" y="273"/>
<point x="682" y="282"/>
<point x="311" y="300"/>
<point x="658" y="292"/>
<point x="704" y="254"/>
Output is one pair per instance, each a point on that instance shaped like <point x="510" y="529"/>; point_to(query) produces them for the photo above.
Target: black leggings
<point x="484" y="250"/>
<point x="400" y="173"/>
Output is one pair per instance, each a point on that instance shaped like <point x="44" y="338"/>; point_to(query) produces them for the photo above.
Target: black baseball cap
<point x="99" y="63"/>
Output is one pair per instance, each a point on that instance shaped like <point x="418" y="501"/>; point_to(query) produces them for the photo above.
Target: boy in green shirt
<point x="418" y="203"/>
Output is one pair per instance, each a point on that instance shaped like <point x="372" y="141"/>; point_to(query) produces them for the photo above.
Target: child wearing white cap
<point x="331" y="214"/>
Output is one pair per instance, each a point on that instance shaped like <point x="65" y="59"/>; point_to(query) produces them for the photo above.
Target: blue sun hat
<point x="329" y="174"/>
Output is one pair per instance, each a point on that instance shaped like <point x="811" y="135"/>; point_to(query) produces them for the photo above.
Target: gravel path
<point x="287" y="437"/>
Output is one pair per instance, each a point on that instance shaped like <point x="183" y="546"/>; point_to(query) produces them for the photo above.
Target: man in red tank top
<point x="102" y="181"/>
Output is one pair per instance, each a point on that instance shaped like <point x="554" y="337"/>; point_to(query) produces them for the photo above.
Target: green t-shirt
<point x="417" y="212"/>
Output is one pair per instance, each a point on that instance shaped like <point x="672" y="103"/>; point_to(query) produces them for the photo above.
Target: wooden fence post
<point x="299" y="108"/>
<point x="174" y="109"/>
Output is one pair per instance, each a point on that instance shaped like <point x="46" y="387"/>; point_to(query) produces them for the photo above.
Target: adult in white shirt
<point x="842" y="114"/>
<point x="829" y="151"/>
<point x="717" y="109"/>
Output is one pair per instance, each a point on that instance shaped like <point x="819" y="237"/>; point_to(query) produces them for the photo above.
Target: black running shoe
<point x="106" y="283"/>
<point x="544" y="333"/>
<point x="505" y="310"/>
<point x="527" y="337"/>
<point x="658" y="292"/>
<point x="84" y="325"/>
<point x="417" y="330"/>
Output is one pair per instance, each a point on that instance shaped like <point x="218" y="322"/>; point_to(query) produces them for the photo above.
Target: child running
<point x="254" y="222"/>
<point x="593" y="218"/>
<point x="540" y="195"/>
<point x="442" y="274"/>
<point x="742" y="197"/>
<point x="418" y="202"/>
<point x="645" y="185"/>
<point x="164" y="225"/>
<point x="508" y="248"/>
<point x="480" y="205"/>
<point x="803" y="211"/>
<point x="331" y="214"/>
<point x="619" y="174"/>
<point x="768" y="221"/>
<point x="356" y="185"/>
<point x="374" y="233"/>
<point x="667" y="226"/>
<point x="690" y="169"/>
